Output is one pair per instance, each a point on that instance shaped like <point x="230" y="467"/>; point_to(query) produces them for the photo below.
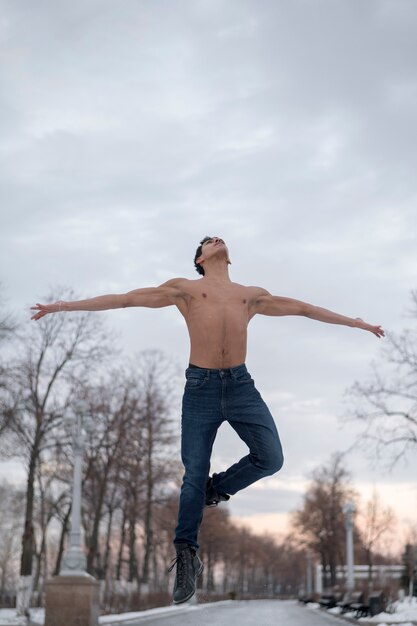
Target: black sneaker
<point x="213" y="497"/>
<point x="189" y="567"/>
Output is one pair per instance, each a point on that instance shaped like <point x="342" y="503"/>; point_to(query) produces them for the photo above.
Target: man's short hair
<point x="199" y="250"/>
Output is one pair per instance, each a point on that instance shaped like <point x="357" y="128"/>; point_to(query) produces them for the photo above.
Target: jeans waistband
<point x="224" y="371"/>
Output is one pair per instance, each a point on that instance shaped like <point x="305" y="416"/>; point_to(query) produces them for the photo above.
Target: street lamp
<point x="348" y="510"/>
<point x="74" y="562"/>
<point x="309" y="575"/>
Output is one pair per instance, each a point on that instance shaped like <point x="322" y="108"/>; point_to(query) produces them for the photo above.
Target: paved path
<point x="240" y="613"/>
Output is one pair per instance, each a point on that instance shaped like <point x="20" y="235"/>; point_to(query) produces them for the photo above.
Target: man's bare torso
<point x="217" y="316"/>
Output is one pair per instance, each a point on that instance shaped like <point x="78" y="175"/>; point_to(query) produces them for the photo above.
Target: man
<point x="218" y="386"/>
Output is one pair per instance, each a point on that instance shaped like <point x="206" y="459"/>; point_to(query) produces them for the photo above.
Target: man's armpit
<point x="256" y="294"/>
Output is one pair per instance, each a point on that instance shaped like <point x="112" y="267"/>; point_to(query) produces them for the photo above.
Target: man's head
<point x="208" y="248"/>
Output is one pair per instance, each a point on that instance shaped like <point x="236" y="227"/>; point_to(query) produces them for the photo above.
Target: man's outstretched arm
<point x="154" y="297"/>
<point x="267" y="304"/>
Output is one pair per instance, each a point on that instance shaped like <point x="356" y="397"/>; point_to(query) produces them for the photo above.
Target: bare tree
<point x="128" y="463"/>
<point x="156" y="375"/>
<point x="112" y="504"/>
<point x="409" y="559"/>
<point x="64" y="518"/>
<point x="164" y="520"/>
<point x="377" y="521"/>
<point x="8" y="327"/>
<point x="8" y="322"/>
<point x="215" y="546"/>
<point x="248" y="563"/>
<point x="132" y="489"/>
<point x="53" y="496"/>
<point x="53" y="357"/>
<point x="114" y="406"/>
<point x="12" y="509"/>
<point x="321" y="519"/>
<point x="387" y="405"/>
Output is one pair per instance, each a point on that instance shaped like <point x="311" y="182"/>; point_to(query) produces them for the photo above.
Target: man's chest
<point x="210" y="297"/>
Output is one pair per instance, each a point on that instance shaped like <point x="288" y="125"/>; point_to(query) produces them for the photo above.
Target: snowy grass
<point x="8" y="617"/>
<point x="405" y="612"/>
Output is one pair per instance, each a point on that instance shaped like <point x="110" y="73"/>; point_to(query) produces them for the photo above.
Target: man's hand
<point x="376" y="330"/>
<point x="44" y="309"/>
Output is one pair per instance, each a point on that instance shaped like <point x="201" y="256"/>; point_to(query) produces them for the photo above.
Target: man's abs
<point x="218" y="341"/>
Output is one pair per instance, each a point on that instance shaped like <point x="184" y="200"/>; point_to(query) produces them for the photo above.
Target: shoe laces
<point x="179" y="561"/>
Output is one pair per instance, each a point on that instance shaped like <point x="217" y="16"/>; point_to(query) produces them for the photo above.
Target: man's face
<point x="214" y="246"/>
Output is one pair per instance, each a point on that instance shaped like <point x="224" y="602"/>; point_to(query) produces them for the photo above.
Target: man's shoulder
<point x="183" y="286"/>
<point x="174" y="282"/>
<point x="252" y="292"/>
<point x="257" y="291"/>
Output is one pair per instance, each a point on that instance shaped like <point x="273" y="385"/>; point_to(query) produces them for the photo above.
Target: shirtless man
<point x="218" y="386"/>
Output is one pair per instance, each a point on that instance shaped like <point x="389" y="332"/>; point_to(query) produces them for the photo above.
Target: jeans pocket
<point x="244" y="377"/>
<point x="195" y="381"/>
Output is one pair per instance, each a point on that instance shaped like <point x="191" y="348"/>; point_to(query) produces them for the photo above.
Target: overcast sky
<point x="130" y="130"/>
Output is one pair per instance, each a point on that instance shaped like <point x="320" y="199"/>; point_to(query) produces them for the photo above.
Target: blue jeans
<point x="212" y="396"/>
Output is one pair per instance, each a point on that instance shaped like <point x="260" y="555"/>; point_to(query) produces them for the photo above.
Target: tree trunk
<point x="149" y="496"/>
<point x="156" y="583"/>
<point x="209" y="579"/>
<point x="108" y="548"/>
<point x="28" y="543"/>
<point x="133" y="567"/>
<point x="370" y="566"/>
<point x="324" y="570"/>
<point x="225" y="576"/>
<point x="148" y="540"/>
<point x="121" y="546"/>
<point x="64" y="532"/>
<point x="7" y="558"/>
<point x="39" y="558"/>
<point x="333" y="575"/>
<point x="28" y="534"/>
<point x="92" y="554"/>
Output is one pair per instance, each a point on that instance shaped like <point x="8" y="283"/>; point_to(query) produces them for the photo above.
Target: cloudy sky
<point x="129" y="130"/>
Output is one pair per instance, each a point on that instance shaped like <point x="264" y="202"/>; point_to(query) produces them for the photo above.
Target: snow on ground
<point x="8" y="617"/>
<point x="404" y="613"/>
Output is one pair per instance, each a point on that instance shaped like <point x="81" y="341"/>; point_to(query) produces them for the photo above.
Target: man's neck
<point x="217" y="273"/>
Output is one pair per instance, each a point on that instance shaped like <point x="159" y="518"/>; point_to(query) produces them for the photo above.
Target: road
<point x="239" y="613"/>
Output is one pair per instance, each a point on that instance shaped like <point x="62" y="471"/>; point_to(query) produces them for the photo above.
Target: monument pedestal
<point x="72" y="601"/>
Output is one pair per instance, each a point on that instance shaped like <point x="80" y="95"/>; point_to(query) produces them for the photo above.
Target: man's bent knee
<point x="273" y="464"/>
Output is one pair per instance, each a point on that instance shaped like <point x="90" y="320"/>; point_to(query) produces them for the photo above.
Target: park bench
<point x="346" y="601"/>
<point x="375" y="604"/>
<point x="305" y="599"/>
<point x="357" y="605"/>
<point x="329" y="600"/>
